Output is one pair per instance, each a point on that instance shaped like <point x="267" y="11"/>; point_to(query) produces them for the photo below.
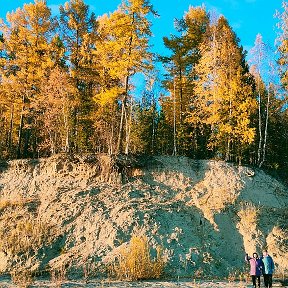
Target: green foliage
<point x="179" y="81"/>
<point x="144" y="123"/>
<point x="78" y="29"/>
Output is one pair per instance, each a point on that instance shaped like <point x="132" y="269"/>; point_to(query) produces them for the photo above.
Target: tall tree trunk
<point x="214" y="75"/>
<point x="27" y="137"/>
<point x="110" y="147"/>
<point x="266" y="129"/>
<point x="181" y="95"/>
<point x="120" y="135"/>
<point x="259" y="113"/>
<point x="153" y="126"/>
<point x="121" y="126"/>
<point x="66" y="129"/>
<point x="73" y="142"/>
<point x="20" y="132"/>
<point x="125" y="99"/>
<point x="260" y="128"/>
<point x="9" y="140"/>
<point x="228" y="152"/>
<point x="128" y="129"/>
<point x="52" y="145"/>
<point x="174" y="121"/>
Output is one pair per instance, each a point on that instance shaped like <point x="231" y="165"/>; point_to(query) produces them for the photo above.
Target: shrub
<point x="22" y="278"/>
<point x="236" y="274"/>
<point x="249" y="215"/>
<point x="135" y="263"/>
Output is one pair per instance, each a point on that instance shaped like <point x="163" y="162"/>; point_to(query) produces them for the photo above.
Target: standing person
<point x="256" y="266"/>
<point x="268" y="269"/>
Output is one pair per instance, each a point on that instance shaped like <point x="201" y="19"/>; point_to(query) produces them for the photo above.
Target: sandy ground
<point x="6" y="283"/>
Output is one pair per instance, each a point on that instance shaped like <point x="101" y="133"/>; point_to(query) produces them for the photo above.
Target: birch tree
<point x="264" y="71"/>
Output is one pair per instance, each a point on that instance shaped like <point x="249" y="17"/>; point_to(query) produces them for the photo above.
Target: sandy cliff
<point x="74" y="211"/>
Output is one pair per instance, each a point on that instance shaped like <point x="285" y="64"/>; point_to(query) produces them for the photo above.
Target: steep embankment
<point x="71" y="212"/>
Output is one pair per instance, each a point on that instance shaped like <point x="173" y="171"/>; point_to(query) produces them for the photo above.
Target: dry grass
<point x="22" y="278"/>
<point x="277" y="242"/>
<point x="135" y="263"/>
<point x="248" y="215"/>
<point x="6" y="203"/>
<point x="199" y="273"/>
<point x="24" y="235"/>
<point x="90" y="270"/>
<point x="236" y="274"/>
<point x="58" y="275"/>
<point x="253" y="237"/>
<point x="195" y="284"/>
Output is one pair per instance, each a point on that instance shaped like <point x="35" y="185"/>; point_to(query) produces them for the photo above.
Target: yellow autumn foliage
<point x="135" y="263"/>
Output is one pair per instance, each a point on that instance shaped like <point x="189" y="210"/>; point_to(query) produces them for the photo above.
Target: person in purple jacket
<point x="256" y="266"/>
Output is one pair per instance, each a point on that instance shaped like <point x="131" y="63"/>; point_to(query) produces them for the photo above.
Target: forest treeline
<point x="66" y="86"/>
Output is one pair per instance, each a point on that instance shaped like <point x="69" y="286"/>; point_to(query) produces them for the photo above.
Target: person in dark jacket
<point x="256" y="266"/>
<point x="268" y="269"/>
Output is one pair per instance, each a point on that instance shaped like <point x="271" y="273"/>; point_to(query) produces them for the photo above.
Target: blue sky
<point x="247" y="17"/>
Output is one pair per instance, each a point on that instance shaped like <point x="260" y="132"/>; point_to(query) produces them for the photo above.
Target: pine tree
<point x="277" y="134"/>
<point x="280" y="139"/>
<point x="143" y="132"/>
<point x="180" y="78"/>
<point x="164" y="134"/>
<point x="78" y="29"/>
